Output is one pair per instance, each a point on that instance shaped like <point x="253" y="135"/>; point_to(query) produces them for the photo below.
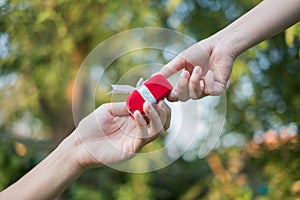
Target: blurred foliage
<point x="43" y="44"/>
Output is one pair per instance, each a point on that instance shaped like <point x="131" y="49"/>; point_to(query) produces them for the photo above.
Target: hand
<point x="206" y="68"/>
<point x="110" y="134"/>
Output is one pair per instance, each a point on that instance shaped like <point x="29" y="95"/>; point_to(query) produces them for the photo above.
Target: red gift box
<point x="152" y="90"/>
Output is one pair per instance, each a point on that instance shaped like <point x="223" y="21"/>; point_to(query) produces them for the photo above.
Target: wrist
<point x="70" y="148"/>
<point x="81" y="157"/>
<point x="234" y="40"/>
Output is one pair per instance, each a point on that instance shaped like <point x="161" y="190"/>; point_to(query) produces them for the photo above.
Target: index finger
<point x="118" y="109"/>
<point x="173" y="66"/>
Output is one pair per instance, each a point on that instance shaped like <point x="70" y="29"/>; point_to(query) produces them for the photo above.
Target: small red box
<point x="153" y="90"/>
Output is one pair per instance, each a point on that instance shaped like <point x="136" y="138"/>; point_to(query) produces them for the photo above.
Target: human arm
<point x="108" y="135"/>
<point x="262" y="22"/>
<point x="216" y="54"/>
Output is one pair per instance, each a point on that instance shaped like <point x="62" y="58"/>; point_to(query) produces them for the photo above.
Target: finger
<point x="156" y="126"/>
<point x="219" y="83"/>
<point x="209" y="83"/>
<point x="141" y="123"/>
<point x="167" y="116"/>
<point x="179" y="89"/>
<point x="183" y="86"/>
<point x="172" y="67"/>
<point x="142" y="132"/>
<point x="172" y="96"/>
<point x="219" y="88"/>
<point x="161" y="109"/>
<point x="117" y="109"/>
<point x="212" y="86"/>
<point x="202" y="85"/>
<point x="195" y="91"/>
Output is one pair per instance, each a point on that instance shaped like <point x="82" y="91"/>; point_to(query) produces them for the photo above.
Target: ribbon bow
<point x="140" y="88"/>
<point x="125" y="89"/>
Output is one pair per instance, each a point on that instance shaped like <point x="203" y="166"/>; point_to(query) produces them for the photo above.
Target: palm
<point x="220" y="63"/>
<point x="110" y="139"/>
<point x="110" y="134"/>
<point x="123" y="135"/>
<point x="215" y="61"/>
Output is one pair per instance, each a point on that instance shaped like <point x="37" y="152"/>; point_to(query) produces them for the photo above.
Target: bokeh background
<point x="42" y="45"/>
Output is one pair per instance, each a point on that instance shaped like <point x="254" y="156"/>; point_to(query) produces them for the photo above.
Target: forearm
<point x="50" y="177"/>
<point x="265" y="20"/>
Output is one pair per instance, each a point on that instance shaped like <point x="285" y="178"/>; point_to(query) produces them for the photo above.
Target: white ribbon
<point x="146" y="94"/>
<point x="140" y="87"/>
<point x="125" y="89"/>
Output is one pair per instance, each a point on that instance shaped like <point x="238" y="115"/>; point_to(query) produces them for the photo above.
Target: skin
<point x="206" y="69"/>
<point x="104" y="133"/>
<point x="206" y="66"/>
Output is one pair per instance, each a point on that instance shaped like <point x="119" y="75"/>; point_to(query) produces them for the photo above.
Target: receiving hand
<point x="110" y="135"/>
<point x="206" y="68"/>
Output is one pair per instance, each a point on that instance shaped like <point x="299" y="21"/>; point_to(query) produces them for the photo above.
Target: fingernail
<point x="185" y="74"/>
<point x="202" y="85"/>
<point x="138" y="114"/>
<point x="197" y="69"/>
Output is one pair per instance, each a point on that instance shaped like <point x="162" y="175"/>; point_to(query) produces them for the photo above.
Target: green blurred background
<point x="42" y="45"/>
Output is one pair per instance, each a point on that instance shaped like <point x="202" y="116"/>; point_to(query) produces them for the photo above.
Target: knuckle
<point x="200" y="95"/>
<point x="167" y="126"/>
<point x="192" y="94"/>
<point x="194" y="97"/>
<point x="181" y="86"/>
<point x="194" y="78"/>
<point x="183" y="99"/>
